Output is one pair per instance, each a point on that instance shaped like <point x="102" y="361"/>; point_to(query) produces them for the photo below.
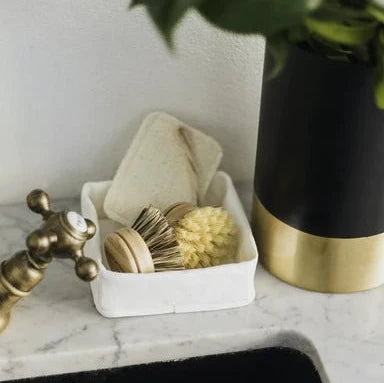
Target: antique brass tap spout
<point x="62" y="235"/>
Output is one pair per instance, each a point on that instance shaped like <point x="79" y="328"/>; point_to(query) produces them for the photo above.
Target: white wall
<point x="77" y="77"/>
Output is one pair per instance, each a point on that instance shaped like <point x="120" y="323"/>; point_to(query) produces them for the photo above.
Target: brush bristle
<point x="207" y="236"/>
<point x="160" y="238"/>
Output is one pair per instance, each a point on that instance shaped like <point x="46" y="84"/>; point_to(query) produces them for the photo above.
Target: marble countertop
<point x="58" y="330"/>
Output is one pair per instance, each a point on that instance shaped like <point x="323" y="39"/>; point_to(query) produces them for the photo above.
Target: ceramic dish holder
<point x="219" y="287"/>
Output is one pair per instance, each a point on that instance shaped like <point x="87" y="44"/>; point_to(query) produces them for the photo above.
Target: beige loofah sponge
<point x="207" y="236"/>
<point x="168" y="161"/>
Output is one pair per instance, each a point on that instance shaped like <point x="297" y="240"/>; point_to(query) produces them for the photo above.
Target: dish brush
<point x="207" y="236"/>
<point x="149" y="245"/>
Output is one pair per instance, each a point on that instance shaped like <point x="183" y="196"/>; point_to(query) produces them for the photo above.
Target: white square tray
<point x="213" y="288"/>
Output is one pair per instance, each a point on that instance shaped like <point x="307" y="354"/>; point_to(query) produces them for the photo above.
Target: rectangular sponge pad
<point x="167" y="162"/>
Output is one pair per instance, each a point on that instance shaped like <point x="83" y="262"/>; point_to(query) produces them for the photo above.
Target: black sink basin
<point x="258" y="366"/>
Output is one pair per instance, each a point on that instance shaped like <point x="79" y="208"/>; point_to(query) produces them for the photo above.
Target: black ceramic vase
<point x="319" y="182"/>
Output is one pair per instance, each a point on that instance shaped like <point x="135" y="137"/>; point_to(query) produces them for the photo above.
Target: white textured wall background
<point x="77" y="77"/>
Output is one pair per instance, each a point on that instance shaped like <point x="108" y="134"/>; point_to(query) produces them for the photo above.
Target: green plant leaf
<point x="166" y="14"/>
<point x="134" y="3"/>
<point x="278" y="46"/>
<point x="376" y="12"/>
<point x="339" y="11"/>
<point x="266" y="17"/>
<point x="377" y="3"/>
<point x="348" y="33"/>
<point x="379" y="84"/>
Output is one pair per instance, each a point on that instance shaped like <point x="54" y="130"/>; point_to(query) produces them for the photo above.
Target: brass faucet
<point x="62" y="235"/>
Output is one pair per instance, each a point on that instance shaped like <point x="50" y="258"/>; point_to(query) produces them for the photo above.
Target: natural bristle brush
<point x="150" y="245"/>
<point x="207" y="236"/>
<point x="183" y="237"/>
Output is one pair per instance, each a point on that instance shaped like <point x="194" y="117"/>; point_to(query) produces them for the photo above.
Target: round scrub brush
<point x="150" y="245"/>
<point x="207" y="236"/>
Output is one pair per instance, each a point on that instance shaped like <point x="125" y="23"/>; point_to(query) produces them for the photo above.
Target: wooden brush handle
<point x="127" y="252"/>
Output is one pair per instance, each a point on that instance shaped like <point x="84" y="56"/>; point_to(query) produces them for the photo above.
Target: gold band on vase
<point x="333" y="265"/>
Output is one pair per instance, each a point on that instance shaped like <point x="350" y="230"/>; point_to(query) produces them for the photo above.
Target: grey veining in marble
<point x="57" y="329"/>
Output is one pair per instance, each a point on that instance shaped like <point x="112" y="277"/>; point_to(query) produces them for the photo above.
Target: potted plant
<point x="319" y="182"/>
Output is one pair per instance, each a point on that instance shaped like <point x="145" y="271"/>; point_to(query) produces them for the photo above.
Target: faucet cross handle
<point x="62" y="235"/>
<point x="39" y="202"/>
